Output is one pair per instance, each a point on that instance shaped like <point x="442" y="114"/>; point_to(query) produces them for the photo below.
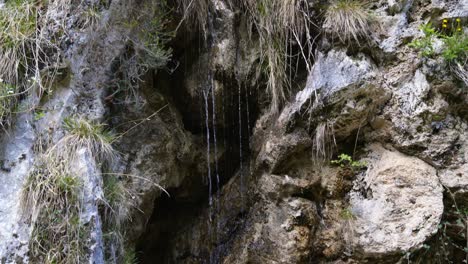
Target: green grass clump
<point x="349" y="20"/>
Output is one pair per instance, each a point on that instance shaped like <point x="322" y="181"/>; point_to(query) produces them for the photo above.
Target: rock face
<point x="16" y="159"/>
<point x="365" y="162"/>
<point x="398" y="204"/>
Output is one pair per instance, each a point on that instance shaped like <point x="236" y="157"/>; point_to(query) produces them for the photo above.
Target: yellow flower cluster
<point x="445" y="24"/>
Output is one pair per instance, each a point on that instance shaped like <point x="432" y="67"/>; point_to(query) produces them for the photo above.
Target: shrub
<point x="348" y="20"/>
<point x="147" y="49"/>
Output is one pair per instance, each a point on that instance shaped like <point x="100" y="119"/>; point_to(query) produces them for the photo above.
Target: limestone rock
<point x="397" y="204"/>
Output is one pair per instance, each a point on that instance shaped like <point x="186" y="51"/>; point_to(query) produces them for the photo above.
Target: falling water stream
<point x="240" y="148"/>
<point x="210" y="190"/>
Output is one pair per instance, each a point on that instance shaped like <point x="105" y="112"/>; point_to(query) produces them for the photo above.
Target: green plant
<point x="347" y="214"/>
<point x="38" y="115"/>
<point x="130" y="257"/>
<point x="455" y="47"/>
<point x="346" y="161"/>
<point x="424" y="44"/>
<point x="147" y="50"/>
<point x="455" y="43"/>
<point x="349" y="20"/>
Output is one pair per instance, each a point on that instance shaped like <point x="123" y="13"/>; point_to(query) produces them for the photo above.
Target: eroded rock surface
<point x="397" y="203"/>
<point x="211" y="175"/>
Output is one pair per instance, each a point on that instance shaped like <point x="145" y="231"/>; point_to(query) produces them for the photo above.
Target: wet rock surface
<point x="213" y="176"/>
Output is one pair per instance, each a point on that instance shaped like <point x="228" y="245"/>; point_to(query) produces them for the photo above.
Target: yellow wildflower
<point x="444" y="25"/>
<point x="445" y="20"/>
<point x="459" y="29"/>
<point x="458" y="20"/>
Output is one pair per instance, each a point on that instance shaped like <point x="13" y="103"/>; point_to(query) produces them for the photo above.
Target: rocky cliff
<point x="224" y="131"/>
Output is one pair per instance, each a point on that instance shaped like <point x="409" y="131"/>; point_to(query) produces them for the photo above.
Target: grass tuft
<point x="348" y="20"/>
<point x="82" y="133"/>
<point x="282" y="26"/>
<point x="51" y="198"/>
<point x="27" y="49"/>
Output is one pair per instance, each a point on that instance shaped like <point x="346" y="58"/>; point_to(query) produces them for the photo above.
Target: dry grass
<point x="348" y="230"/>
<point x="348" y="20"/>
<point x="280" y="25"/>
<point x="460" y="71"/>
<point x="27" y="48"/>
<point x="195" y="13"/>
<point x="323" y="143"/>
<point x="82" y="133"/>
<point x="51" y="198"/>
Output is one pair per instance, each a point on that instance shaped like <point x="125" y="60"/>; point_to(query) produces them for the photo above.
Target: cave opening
<point x="232" y="111"/>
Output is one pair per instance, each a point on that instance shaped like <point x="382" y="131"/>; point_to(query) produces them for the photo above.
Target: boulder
<point x="397" y="204"/>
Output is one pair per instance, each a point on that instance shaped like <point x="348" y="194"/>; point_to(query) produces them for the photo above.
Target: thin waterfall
<point x="214" y="132"/>
<point x="240" y="147"/>
<point x="210" y="191"/>
<point x="247" y="95"/>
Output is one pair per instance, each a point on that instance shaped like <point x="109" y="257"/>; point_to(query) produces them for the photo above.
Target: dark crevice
<point x="190" y="202"/>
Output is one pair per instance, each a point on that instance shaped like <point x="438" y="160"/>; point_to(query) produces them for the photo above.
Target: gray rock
<point x="397" y="204"/>
<point x="17" y="157"/>
<point x="331" y="73"/>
